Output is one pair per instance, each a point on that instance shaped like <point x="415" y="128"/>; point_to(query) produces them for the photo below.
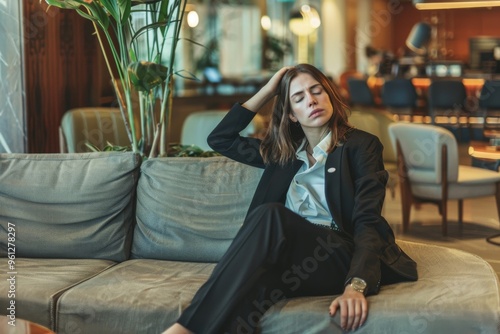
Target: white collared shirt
<point x="306" y="195"/>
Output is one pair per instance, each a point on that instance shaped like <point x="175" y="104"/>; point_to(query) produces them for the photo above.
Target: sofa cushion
<point x="457" y="292"/>
<point x="69" y="205"/>
<point x="189" y="209"/>
<point x="39" y="283"/>
<point x="136" y="296"/>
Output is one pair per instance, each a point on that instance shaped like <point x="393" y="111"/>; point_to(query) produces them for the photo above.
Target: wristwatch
<point x="358" y="284"/>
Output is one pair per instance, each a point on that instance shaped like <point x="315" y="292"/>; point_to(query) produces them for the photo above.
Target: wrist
<point x="357" y="284"/>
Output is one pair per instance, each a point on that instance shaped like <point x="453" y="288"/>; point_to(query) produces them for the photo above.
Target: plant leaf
<point x="163" y="15"/>
<point x="147" y="75"/>
<point x="65" y="4"/>
<point x="112" y="8"/>
<point x="148" y="27"/>
<point x="187" y="75"/>
<point x="124" y="7"/>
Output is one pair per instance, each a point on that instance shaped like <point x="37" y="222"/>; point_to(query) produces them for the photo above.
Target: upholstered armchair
<point x="94" y="125"/>
<point x="429" y="171"/>
<point x="377" y="123"/>
<point x="198" y="126"/>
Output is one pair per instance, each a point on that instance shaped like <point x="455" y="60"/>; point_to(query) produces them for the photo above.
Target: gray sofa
<point x="105" y="243"/>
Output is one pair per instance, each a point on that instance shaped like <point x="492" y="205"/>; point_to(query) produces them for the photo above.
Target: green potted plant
<point x="143" y="55"/>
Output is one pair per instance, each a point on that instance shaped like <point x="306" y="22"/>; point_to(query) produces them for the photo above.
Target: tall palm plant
<point x="143" y="55"/>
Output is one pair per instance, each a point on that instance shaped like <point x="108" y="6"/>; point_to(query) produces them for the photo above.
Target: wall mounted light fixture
<point x="419" y="37"/>
<point x="449" y="4"/>
<point x="304" y="21"/>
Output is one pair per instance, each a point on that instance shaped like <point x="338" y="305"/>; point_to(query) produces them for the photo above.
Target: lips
<point x="315" y="113"/>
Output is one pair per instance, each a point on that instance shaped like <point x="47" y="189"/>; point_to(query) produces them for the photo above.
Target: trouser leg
<point x="305" y="260"/>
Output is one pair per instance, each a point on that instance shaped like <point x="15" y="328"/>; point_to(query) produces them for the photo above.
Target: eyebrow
<point x="309" y="88"/>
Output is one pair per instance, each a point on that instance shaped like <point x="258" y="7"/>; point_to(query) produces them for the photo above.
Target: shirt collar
<point x="320" y="149"/>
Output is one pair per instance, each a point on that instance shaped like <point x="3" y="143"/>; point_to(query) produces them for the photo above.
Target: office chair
<point x="399" y="96"/>
<point x="429" y="171"/>
<point x="446" y="104"/>
<point x="446" y="98"/>
<point x="489" y="105"/>
<point x="359" y="92"/>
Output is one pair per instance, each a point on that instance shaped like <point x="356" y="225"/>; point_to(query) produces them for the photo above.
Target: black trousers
<point x="276" y="254"/>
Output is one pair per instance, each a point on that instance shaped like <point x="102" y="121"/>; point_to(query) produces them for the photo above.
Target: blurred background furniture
<point x="97" y="126"/>
<point x="446" y="100"/>
<point x="489" y="105"/>
<point x="198" y="126"/>
<point x="399" y="96"/>
<point x="377" y="123"/>
<point x="360" y="94"/>
<point x="429" y="171"/>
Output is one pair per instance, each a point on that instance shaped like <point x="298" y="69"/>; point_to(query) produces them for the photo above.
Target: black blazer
<point x="355" y="187"/>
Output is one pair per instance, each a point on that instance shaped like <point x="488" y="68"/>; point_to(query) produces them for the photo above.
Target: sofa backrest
<point x="190" y="209"/>
<point x="69" y="205"/>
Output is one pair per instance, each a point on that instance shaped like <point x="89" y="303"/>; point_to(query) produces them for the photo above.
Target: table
<point x="22" y="327"/>
<point x="483" y="150"/>
<point x="490" y="153"/>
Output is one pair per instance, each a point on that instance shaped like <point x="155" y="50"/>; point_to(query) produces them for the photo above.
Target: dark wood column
<point x="63" y="70"/>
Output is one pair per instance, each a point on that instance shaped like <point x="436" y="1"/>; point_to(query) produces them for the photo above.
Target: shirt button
<point x="331" y="169"/>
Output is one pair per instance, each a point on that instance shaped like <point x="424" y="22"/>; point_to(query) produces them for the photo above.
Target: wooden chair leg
<point x="444" y="188"/>
<point x="460" y="215"/>
<point x="497" y="197"/>
<point x="444" y="215"/>
<point x="406" y="201"/>
<point x="405" y="188"/>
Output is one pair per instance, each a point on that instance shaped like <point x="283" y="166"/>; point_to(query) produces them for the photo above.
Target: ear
<point x="293" y="118"/>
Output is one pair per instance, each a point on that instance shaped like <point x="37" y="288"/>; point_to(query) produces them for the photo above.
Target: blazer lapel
<point x="274" y="184"/>
<point x="333" y="184"/>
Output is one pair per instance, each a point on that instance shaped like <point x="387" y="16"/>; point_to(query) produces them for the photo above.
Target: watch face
<point x="358" y="284"/>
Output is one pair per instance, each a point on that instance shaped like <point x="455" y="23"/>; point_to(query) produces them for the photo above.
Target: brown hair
<point x="284" y="136"/>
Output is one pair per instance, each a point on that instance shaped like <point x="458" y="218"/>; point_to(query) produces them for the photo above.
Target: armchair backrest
<point x="421" y="146"/>
<point x="94" y="125"/>
<point x="399" y="93"/>
<point x="490" y="95"/>
<point x="376" y="122"/>
<point x="447" y="94"/>
<point x="359" y="92"/>
<point x="198" y="126"/>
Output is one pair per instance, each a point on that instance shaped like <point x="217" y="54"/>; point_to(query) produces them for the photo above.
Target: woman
<point x="314" y="226"/>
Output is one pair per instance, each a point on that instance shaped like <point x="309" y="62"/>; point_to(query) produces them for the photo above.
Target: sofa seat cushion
<point x="69" y="205"/>
<point x="457" y="292"/>
<point x="40" y="282"/>
<point x="190" y="209"/>
<point x="136" y="296"/>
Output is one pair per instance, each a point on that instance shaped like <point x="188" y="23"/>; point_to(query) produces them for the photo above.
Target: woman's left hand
<point x="353" y="308"/>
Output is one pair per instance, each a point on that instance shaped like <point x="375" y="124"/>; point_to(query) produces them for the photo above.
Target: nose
<point x="312" y="99"/>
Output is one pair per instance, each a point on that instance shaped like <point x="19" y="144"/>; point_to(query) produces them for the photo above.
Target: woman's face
<point x="311" y="105"/>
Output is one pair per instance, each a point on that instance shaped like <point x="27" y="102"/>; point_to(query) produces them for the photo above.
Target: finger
<point x="350" y="314"/>
<point x="364" y="312"/>
<point x="357" y="314"/>
<point x="333" y="307"/>
<point x="344" y="313"/>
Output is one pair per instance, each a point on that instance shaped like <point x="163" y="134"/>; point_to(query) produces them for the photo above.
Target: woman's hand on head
<point x="353" y="309"/>
<point x="267" y="92"/>
<point x="273" y="83"/>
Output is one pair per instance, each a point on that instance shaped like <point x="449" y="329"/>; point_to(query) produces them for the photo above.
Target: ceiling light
<point x="440" y="4"/>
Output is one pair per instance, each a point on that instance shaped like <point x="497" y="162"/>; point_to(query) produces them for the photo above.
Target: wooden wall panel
<point x="455" y="27"/>
<point x="61" y="61"/>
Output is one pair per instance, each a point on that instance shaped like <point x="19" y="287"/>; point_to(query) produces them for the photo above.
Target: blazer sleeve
<point x="226" y="139"/>
<point x="371" y="232"/>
